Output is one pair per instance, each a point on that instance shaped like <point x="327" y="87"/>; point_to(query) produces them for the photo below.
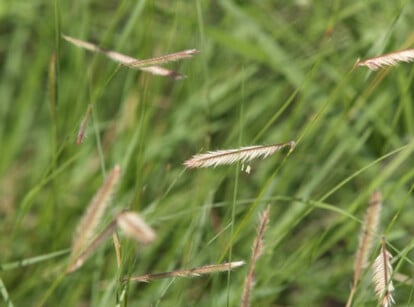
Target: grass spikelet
<point x="389" y="59"/>
<point x="368" y="231"/>
<point x="87" y="226"/>
<point x="230" y="156"/>
<point x="83" y="126"/>
<point x="194" y="272"/>
<point x="382" y="271"/>
<point x="136" y="63"/>
<point x="256" y="253"/>
<point x="134" y="226"/>
<point x="164" y="59"/>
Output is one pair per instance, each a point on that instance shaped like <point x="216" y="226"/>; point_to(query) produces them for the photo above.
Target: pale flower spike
<point x="145" y="65"/>
<point x="389" y="59"/>
<point x="382" y="271"/>
<point x="230" y="156"/>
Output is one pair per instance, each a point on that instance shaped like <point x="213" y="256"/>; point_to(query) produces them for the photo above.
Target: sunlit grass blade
<point x="33" y="260"/>
<point x="86" y="229"/>
<point x="123" y="59"/>
<point x="230" y="156"/>
<point x="389" y="59"/>
<point x="257" y="250"/>
<point x="194" y="272"/>
<point x="382" y="271"/>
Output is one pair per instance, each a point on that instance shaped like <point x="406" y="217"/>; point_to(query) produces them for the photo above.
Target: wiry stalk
<point x="230" y="156"/>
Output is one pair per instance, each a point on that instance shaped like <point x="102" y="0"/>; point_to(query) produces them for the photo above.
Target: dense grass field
<point x="267" y="72"/>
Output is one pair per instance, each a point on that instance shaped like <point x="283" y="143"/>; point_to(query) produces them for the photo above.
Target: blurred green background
<point x="268" y="72"/>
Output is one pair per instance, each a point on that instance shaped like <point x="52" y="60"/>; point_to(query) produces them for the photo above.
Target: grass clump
<point x="265" y="73"/>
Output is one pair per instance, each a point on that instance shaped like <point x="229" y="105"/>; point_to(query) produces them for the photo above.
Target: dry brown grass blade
<point x="230" y="156"/>
<point x="389" y="59"/>
<point x="194" y="272"/>
<point x="367" y="235"/>
<point x="134" y="226"/>
<point x="86" y="229"/>
<point x="123" y="59"/>
<point x="256" y="252"/>
<point x="382" y="271"/>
